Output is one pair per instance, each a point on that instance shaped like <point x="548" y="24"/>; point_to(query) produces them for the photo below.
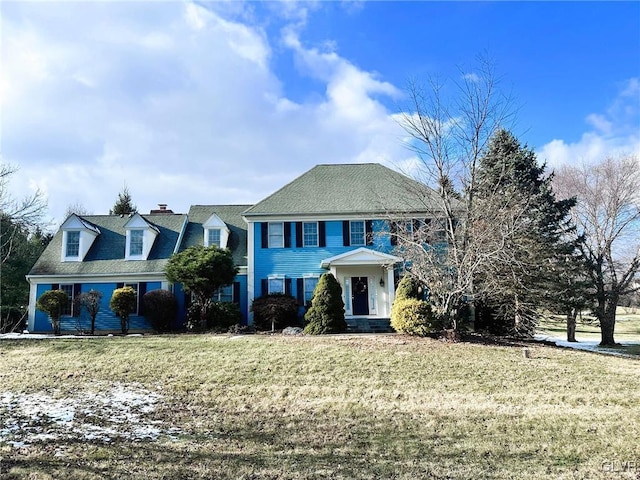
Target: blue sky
<point x="224" y="102"/>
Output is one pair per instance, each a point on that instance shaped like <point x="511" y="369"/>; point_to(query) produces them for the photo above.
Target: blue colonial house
<point x="334" y="218"/>
<point x="338" y="219"/>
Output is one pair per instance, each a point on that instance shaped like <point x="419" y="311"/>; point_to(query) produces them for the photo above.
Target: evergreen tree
<point x="123" y="303"/>
<point x="202" y="271"/>
<point x="124" y="204"/>
<point x="19" y="250"/>
<point x="519" y="229"/>
<point x="408" y="287"/>
<point x="326" y="314"/>
<point x="52" y="302"/>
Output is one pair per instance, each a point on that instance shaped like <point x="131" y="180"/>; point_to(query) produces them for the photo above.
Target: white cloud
<point x="615" y="131"/>
<point x="176" y="101"/>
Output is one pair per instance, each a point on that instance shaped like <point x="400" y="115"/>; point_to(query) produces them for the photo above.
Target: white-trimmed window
<point x="357" y="232"/>
<point x="67" y="310"/>
<point x="73" y="244"/>
<point x="310" y="234"/>
<point x="136" y="242"/>
<point x="214" y="237"/>
<point x="276" y="285"/>
<point x="224" y="294"/>
<point x="276" y="235"/>
<point x="309" y="285"/>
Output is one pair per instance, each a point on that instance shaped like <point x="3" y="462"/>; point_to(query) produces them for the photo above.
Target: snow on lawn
<point x="589" y="345"/>
<point x="120" y="412"/>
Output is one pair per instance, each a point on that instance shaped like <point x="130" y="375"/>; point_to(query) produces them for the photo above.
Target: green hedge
<point x="413" y="317"/>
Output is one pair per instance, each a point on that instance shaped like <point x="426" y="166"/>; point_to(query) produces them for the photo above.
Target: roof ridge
<point x="281" y="188"/>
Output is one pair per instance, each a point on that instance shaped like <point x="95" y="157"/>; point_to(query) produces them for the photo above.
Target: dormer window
<point x="78" y="235"/>
<point x="73" y="244"/>
<point x="141" y="234"/>
<point x="214" y="236"/>
<point x="136" y="242"/>
<point x="216" y="232"/>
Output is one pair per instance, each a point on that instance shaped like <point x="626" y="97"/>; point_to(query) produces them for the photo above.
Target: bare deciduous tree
<point x="449" y="134"/>
<point x="607" y="214"/>
<point x="77" y="208"/>
<point x="23" y="214"/>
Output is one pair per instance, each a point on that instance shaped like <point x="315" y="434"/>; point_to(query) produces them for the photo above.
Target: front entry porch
<point x="368" y="289"/>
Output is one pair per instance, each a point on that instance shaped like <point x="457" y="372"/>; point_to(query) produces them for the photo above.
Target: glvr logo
<point x="621" y="466"/>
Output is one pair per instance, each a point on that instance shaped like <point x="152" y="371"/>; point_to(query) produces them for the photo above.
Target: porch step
<point x="368" y="325"/>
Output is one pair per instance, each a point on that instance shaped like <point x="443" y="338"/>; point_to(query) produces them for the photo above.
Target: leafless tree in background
<point x="607" y="214"/>
<point x="19" y="215"/>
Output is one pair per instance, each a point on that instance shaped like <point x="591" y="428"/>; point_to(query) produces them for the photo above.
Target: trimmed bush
<point x="223" y="315"/>
<point x="161" y="308"/>
<point x="326" y="314"/>
<point x="274" y="311"/>
<point x="123" y="303"/>
<point x="408" y="288"/>
<point x="52" y="302"/>
<point x="413" y="317"/>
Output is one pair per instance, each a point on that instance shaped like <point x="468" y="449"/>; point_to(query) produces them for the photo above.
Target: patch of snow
<point x="588" y="345"/>
<point x="120" y="412"/>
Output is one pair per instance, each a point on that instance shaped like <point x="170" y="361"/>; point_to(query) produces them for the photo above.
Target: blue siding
<point x="243" y="297"/>
<point x="105" y="320"/>
<point x="41" y="322"/>
<point x="182" y="306"/>
<point x="298" y="262"/>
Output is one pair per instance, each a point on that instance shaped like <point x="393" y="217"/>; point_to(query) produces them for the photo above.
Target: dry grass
<point x="334" y="407"/>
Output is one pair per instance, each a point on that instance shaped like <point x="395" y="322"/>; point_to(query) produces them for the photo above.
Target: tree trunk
<point x="55" y="323"/>
<point x="608" y="322"/>
<point x="571" y="325"/>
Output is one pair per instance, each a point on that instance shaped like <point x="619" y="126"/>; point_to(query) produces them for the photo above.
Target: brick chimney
<point x="162" y="208"/>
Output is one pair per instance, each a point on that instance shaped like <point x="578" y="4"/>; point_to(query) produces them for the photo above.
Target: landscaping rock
<point x="292" y="331"/>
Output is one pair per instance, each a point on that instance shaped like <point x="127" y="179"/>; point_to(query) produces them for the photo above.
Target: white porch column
<point x="390" y="287"/>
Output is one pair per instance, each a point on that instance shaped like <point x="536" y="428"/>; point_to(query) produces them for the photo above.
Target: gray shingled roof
<point x="229" y="214"/>
<point x="106" y="255"/>
<point x="365" y="188"/>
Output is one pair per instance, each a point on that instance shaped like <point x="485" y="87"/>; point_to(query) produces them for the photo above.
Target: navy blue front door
<point x="360" y="295"/>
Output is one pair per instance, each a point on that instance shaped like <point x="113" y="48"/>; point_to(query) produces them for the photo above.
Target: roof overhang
<point x="360" y="256"/>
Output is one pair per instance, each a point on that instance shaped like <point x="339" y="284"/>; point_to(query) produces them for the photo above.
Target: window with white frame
<point x="310" y="234"/>
<point x="136" y="240"/>
<point x="73" y="244"/>
<point x="224" y="294"/>
<point x="67" y="310"/>
<point x="276" y="235"/>
<point x="276" y="285"/>
<point x="357" y="232"/>
<point x="214" y="237"/>
<point x="309" y="285"/>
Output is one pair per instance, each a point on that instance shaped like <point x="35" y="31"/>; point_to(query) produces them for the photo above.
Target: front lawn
<point x="386" y="406"/>
<point x="627" y="332"/>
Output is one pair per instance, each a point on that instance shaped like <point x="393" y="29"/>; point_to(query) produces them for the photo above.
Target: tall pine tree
<point x="124" y="204"/>
<point x="519" y="229"/>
